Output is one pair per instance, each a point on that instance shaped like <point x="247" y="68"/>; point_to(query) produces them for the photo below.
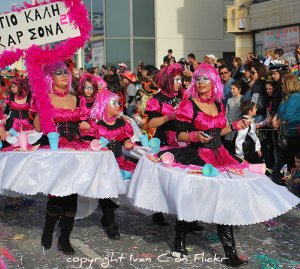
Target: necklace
<point x="59" y="93"/>
<point x="110" y="121"/>
<point x="209" y="100"/>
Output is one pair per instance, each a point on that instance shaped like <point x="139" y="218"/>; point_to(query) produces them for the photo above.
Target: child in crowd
<point x="293" y="180"/>
<point x="233" y="112"/>
<point x="247" y="144"/>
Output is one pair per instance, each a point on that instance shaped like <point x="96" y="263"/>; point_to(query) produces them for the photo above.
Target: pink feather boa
<point x="37" y="58"/>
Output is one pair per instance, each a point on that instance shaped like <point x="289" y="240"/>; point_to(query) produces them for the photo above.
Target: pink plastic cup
<point x="95" y="145"/>
<point x="258" y="168"/>
<point x="167" y="158"/>
<point x="23" y="140"/>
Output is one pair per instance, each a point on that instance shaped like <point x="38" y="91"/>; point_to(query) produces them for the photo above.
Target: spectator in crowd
<point x="122" y="68"/>
<point x="247" y="144"/>
<point x="193" y="64"/>
<point x="220" y="62"/>
<point x="236" y="72"/>
<point x="130" y="92"/>
<point x="169" y="58"/>
<point x="210" y="59"/>
<point x="257" y="93"/>
<point x="233" y="112"/>
<point x="289" y="114"/>
<point x="226" y="82"/>
<point x="277" y="56"/>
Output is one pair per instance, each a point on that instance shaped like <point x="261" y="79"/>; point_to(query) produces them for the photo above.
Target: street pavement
<point x="271" y="245"/>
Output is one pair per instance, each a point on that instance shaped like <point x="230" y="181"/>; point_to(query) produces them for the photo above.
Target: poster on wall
<point x="36" y="25"/>
<point x="98" y="54"/>
<point x="287" y="38"/>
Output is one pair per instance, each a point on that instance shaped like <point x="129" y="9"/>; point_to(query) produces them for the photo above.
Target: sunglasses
<point x="89" y="88"/>
<point x="253" y="73"/>
<point x="204" y="80"/>
<point x="177" y="80"/>
<point x="61" y="72"/>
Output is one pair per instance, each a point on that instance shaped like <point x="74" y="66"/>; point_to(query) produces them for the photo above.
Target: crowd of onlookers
<point x="269" y="82"/>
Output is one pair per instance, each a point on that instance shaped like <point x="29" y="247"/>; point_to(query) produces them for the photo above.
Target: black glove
<point x="116" y="147"/>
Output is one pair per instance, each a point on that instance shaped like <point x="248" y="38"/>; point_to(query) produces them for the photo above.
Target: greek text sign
<point x="283" y="37"/>
<point x="37" y="25"/>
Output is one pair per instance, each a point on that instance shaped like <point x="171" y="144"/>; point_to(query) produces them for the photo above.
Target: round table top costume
<point x="226" y="199"/>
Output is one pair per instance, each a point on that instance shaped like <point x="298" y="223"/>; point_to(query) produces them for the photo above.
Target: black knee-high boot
<point x="181" y="228"/>
<point x="52" y="215"/>
<point x="66" y="223"/>
<point x="108" y="220"/>
<point x="225" y="233"/>
<point x="66" y="227"/>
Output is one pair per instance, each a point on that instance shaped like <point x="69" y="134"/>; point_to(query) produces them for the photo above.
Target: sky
<point x="5" y="5"/>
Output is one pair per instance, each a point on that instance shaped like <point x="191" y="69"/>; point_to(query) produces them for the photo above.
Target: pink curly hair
<point x="89" y="78"/>
<point x="50" y="72"/>
<point x="100" y="80"/>
<point x="99" y="110"/>
<point x="209" y="71"/>
<point x="165" y="77"/>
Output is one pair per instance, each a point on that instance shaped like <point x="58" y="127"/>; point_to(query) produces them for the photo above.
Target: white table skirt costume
<point x="89" y="174"/>
<point x="239" y="200"/>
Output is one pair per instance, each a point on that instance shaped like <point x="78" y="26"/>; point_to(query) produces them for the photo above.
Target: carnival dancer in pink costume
<point x="88" y="88"/>
<point x="162" y="107"/>
<point x="66" y="113"/>
<point x="201" y="122"/>
<point x="118" y="132"/>
<point x="161" y="110"/>
<point x="18" y="102"/>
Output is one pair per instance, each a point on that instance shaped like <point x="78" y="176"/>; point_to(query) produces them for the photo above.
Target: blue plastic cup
<point x="154" y="144"/>
<point x="103" y="142"/>
<point x="1" y="145"/>
<point x="126" y="174"/>
<point x="209" y="171"/>
<point x="53" y="138"/>
<point x="13" y="132"/>
<point x="144" y="140"/>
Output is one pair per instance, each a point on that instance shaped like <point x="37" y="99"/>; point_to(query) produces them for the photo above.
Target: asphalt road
<point x="272" y="245"/>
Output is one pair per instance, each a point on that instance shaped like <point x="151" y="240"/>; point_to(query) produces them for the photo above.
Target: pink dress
<point x="67" y="124"/>
<point x="191" y="118"/>
<point x="160" y="105"/>
<point x="120" y="132"/>
<point x="18" y="114"/>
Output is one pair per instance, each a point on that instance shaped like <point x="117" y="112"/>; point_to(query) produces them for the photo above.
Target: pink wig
<point x="165" y="77"/>
<point x="99" y="110"/>
<point x="87" y="77"/>
<point x="22" y="85"/>
<point x="212" y="74"/>
<point x="50" y="72"/>
<point x="100" y="80"/>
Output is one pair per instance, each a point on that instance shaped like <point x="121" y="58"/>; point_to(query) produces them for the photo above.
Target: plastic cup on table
<point x="103" y="142"/>
<point x="167" y="158"/>
<point x="23" y="140"/>
<point x="154" y="144"/>
<point x="144" y="140"/>
<point x="209" y="171"/>
<point x="95" y="145"/>
<point x="53" y="138"/>
<point x="126" y="174"/>
<point x="13" y="132"/>
<point x="258" y="168"/>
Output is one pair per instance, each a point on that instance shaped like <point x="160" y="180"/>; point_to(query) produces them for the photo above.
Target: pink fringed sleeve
<point x="185" y="111"/>
<point x="153" y="105"/>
